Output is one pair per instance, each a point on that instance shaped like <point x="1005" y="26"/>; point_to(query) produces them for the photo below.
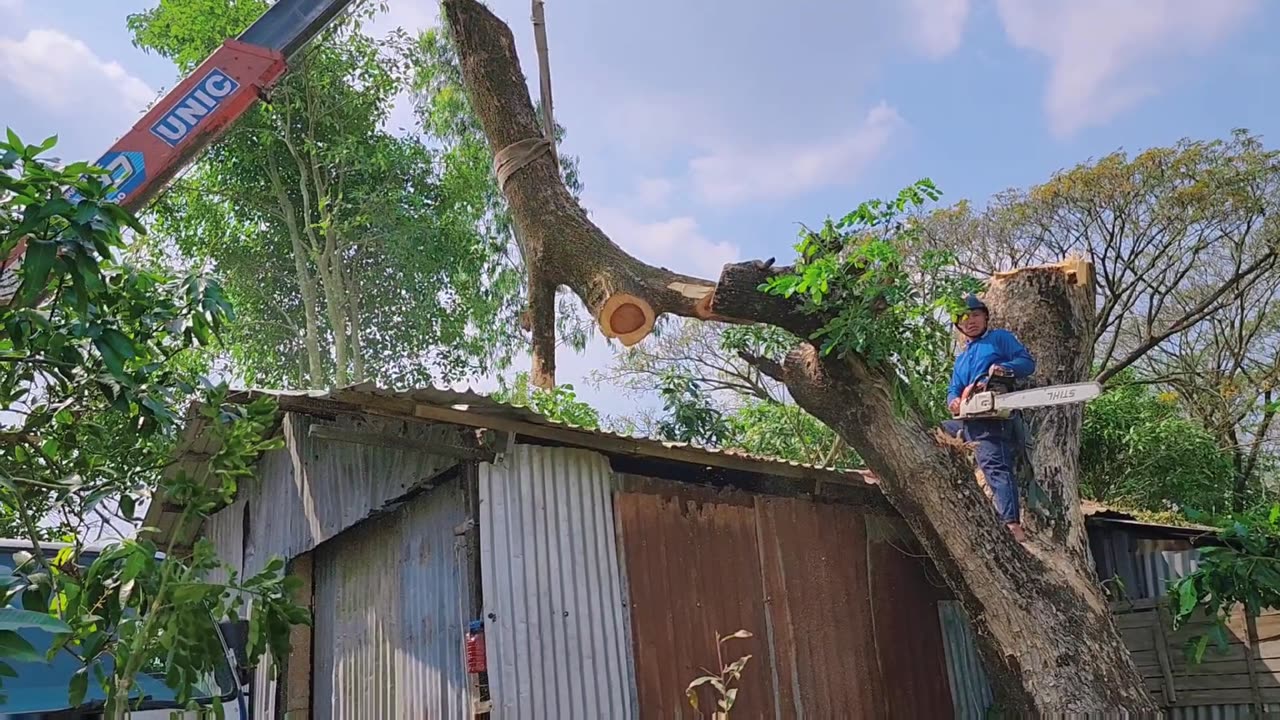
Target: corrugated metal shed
<point x="1162" y="561"/>
<point x="818" y="597"/>
<point x="1223" y="712"/>
<point x="556" y="625"/>
<point x="313" y="489"/>
<point x="389" y="615"/>
<point x="970" y="689"/>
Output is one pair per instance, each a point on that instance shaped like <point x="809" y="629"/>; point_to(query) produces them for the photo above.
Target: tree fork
<point x="1046" y="630"/>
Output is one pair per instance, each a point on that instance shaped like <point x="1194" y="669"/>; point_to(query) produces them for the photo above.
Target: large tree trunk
<point x="1046" y="630"/>
<point x="1051" y="310"/>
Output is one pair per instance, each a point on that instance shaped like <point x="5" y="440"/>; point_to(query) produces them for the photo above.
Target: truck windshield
<point x="44" y="686"/>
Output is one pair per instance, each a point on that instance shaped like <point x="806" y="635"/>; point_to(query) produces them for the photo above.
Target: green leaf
<point x="7" y="671"/>
<point x="1187" y="597"/>
<point x="16" y="647"/>
<point x="119" y="342"/>
<point x="191" y="592"/>
<point x="37" y="261"/>
<point x="79" y="687"/>
<point x="48" y="143"/>
<point x="14" y="619"/>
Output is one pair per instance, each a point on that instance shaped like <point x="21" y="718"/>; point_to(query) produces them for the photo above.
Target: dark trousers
<point x="996" y="449"/>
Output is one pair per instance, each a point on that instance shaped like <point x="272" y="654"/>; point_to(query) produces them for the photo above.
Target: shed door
<point x="389" y="603"/>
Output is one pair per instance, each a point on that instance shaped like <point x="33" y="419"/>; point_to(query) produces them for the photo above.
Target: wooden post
<point x="295" y="688"/>
<point x="1250" y="655"/>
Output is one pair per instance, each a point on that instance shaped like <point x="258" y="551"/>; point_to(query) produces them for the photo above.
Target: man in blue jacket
<point x="990" y="352"/>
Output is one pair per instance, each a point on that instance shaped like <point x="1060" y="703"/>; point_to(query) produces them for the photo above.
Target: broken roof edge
<point x="471" y="409"/>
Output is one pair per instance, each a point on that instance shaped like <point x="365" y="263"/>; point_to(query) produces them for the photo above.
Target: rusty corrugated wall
<point x="694" y="571"/>
<point x="905" y="591"/>
<point x="820" y="608"/>
<point x="838" y="622"/>
<point x="556" y="624"/>
<point x="389" y="600"/>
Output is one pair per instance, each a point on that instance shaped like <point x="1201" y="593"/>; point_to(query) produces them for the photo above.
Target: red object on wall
<point x="476" y="660"/>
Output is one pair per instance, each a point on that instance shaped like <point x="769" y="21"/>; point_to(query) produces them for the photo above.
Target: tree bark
<point x="1046" y="631"/>
<point x="306" y="282"/>
<point x="1051" y="310"/>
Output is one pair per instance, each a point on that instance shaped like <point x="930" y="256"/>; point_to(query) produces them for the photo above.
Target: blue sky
<point x="707" y="131"/>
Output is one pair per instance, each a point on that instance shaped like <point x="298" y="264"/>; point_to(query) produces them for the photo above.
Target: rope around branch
<point x="518" y="154"/>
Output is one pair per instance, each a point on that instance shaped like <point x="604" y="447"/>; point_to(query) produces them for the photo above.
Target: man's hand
<point x="999" y="371"/>
<point x="954" y="406"/>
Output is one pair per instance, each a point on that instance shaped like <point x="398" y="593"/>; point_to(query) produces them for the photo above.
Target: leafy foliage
<point x="1244" y="571"/>
<point x="559" y="404"/>
<point x="96" y="359"/>
<point x="352" y="252"/>
<point x="1139" y="451"/>
<point x="690" y="416"/>
<point x="876" y="298"/>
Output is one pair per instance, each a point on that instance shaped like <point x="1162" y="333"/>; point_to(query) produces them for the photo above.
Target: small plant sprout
<point x="723" y="682"/>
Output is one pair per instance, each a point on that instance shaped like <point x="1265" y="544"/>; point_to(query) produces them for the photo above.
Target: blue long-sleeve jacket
<point x="995" y="347"/>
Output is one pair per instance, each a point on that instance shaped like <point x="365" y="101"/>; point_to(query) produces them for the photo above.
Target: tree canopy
<point x="352" y="252"/>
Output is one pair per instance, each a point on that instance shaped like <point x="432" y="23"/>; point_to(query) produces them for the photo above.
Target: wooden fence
<point x="1248" y="672"/>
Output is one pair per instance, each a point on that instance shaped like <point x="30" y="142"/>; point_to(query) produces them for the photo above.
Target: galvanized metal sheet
<point x="905" y="593"/>
<point x="970" y="689"/>
<point x="313" y="489"/>
<point x="556" y="626"/>
<point x="694" y="571"/>
<point x="1161" y="565"/>
<point x="389" y="615"/>
<point x="822" y="631"/>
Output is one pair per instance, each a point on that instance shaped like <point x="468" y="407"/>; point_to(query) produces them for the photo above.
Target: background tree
<point x="1184" y="240"/>
<point x="712" y="396"/>
<point x="97" y="360"/>
<point x="352" y="253"/>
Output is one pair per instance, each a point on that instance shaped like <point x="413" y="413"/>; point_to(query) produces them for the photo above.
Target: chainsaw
<point x="997" y="402"/>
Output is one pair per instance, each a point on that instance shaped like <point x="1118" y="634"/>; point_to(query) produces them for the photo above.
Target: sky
<point x="708" y="131"/>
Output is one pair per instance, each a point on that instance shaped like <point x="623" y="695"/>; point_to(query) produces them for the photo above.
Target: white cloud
<point x="1105" y="56"/>
<point x="61" y="74"/>
<point x="735" y="174"/>
<point x="675" y="243"/>
<point x="653" y="192"/>
<point x="936" y="27"/>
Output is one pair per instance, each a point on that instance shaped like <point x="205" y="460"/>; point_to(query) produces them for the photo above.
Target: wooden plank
<point x="1138" y="639"/>
<point x="1255" y="682"/>
<point x="1139" y="619"/>
<point x="1162" y="655"/>
<point x="1225" y="697"/>
<point x="1237" y="681"/>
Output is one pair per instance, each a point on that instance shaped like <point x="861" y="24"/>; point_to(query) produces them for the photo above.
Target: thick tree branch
<point x="561" y="245"/>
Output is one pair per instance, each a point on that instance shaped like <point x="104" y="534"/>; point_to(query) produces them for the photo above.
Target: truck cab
<point x="40" y="689"/>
